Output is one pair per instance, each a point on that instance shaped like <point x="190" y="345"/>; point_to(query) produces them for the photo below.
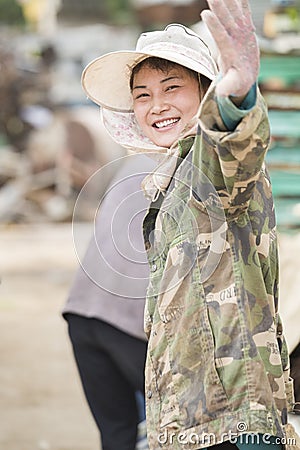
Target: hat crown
<point x="174" y="33"/>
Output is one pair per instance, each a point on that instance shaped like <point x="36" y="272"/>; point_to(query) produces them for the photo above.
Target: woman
<point x="217" y="366"/>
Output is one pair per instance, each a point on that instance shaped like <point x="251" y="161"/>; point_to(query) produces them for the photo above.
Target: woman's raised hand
<point x="230" y="23"/>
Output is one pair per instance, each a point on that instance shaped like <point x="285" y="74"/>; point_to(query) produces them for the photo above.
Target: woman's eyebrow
<point x="174" y="77"/>
<point x="139" y="87"/>
<point x="164" y="80"/>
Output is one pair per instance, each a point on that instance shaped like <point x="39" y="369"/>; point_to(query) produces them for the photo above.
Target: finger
<point x="246" y="10"/>
<point x="224" y="14"/>
<point x="233" y="14"/>
<point x="229" y="85"/>
<point x="218" y="32"/>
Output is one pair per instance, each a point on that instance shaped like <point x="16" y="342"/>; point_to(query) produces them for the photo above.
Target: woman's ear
<point x="204" y="84"/>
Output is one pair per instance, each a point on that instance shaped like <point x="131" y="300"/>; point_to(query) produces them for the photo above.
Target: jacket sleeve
<point x="231" y="160"/>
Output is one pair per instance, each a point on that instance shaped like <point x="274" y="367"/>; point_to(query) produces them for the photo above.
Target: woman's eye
<point x="173" y="86"/>
<point x="143" y="94"/>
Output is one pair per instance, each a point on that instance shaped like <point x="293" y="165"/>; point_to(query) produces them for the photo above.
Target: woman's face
<point x="164" y="102"/>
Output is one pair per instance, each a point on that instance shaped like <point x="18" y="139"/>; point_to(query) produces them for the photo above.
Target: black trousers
<point x="111" y="367"/>
<point x="295" y="374"/>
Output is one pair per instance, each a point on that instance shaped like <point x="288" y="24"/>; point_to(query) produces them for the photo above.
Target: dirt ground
<point x="42" y="406"/>
<point x="41" y="403"/>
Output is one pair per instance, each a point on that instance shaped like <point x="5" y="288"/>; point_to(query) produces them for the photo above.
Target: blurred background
<point x="51" y="142"/>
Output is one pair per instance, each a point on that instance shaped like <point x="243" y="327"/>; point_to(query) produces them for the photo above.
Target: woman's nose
<point x="158" y="105"/>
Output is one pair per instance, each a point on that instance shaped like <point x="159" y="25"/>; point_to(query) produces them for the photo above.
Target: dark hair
<point x="165" y="66"/>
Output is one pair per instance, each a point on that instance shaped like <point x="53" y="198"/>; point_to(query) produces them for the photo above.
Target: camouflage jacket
<point x="217" y="363"/>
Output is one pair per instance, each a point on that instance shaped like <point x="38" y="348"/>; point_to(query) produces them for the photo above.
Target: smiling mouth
<point x="165" y="123"/>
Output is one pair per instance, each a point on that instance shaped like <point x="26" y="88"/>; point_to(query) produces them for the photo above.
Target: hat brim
<point x="105" y="80"/>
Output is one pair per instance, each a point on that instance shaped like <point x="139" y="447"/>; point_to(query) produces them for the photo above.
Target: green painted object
<point x="284" y="68"/>
<point x="285" y="123"/>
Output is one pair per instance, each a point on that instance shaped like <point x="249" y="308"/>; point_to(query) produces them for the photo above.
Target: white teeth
<point x="165" y="123"/>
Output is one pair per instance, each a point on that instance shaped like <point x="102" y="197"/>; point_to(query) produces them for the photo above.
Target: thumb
<point x="229" y="84"/>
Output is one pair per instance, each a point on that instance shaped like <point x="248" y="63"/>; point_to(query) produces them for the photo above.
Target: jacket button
<point x="149" y="394"/>
<point x="153" y="267"/>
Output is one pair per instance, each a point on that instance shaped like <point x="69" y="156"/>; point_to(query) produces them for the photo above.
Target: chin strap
<point x="157" y="182"/>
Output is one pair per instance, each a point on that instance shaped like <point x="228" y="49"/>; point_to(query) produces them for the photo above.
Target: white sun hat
<point x="106" y="79"/>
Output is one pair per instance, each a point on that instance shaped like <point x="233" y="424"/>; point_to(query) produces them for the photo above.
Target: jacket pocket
<point x="198" y="388"/>
<point x="161" y="399"/>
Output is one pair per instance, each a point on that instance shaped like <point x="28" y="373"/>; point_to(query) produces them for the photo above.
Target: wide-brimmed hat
<point x="106" y="79"/>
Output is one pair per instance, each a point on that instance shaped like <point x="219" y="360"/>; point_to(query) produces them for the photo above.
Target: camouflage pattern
<point x="217" y="362"/>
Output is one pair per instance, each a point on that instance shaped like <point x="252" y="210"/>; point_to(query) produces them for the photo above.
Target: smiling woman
<point x="216" y="356"/>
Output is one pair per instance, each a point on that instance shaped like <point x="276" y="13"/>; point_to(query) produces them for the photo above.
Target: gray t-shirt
<point x="111" y="281"/>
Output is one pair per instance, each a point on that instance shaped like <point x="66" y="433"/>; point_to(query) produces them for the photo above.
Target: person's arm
<point x="231" y="152"/>
<point x="233" y="116"/>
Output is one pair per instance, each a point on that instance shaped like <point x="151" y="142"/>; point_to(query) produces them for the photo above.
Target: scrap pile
<point x="47" y="150"/>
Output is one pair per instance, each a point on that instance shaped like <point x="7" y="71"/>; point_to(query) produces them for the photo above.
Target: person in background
<point x="104" y="311"/>
<point x="295" y="373"/>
